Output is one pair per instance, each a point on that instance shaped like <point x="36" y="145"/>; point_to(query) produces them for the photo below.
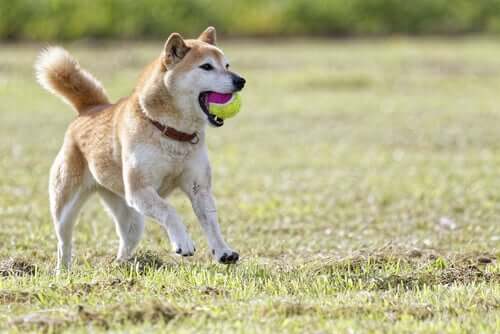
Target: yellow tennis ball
<point x="225" y="109"/>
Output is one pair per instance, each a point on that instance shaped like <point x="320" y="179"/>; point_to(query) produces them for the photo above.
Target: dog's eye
<point x="207" y="67"/>
<point x="227" y="66"/>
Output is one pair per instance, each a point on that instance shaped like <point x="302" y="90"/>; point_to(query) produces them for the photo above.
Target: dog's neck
<point x="158" y="104"/>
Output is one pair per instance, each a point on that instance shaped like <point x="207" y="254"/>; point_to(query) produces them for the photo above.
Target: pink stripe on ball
<point x="219" y="98"/>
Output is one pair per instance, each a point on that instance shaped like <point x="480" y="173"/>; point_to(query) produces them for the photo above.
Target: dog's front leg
<point x="196" y="184"/>
<point x="204" y="207"/>
<point x="142" y="196"/>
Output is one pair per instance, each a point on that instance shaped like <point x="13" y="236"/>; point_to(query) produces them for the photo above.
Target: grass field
<point x="360" y="184"/>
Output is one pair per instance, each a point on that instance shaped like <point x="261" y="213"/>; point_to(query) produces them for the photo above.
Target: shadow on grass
<point x="142" y="263"/>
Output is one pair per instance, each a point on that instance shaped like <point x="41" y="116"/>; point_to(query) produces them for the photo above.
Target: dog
<point x="135" y="152"/>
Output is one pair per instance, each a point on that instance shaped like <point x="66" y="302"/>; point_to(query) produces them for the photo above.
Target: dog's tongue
<point x="218" y="98"/>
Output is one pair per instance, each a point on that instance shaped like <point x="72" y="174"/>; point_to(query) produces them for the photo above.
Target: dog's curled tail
<point x="59" y="73"/>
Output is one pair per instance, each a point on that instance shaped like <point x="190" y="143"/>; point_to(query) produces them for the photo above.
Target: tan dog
<point x="135" y="152"/>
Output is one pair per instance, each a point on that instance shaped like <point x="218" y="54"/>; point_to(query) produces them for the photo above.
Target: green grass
<point x="331" y="183"/>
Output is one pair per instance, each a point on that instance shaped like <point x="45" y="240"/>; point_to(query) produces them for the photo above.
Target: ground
<point x="360" y="184"/>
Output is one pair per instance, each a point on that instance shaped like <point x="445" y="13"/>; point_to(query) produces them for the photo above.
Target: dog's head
<point x="194" y="68"/>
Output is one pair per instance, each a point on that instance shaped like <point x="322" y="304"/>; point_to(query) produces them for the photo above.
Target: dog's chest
<point x="165" y="162"/>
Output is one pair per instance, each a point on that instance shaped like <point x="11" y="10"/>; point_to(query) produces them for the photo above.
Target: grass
<point x="360" y="184"/>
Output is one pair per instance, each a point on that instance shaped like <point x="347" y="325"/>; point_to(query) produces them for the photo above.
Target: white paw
<point x="225" y="255"/>
<point x="182" y="244"/>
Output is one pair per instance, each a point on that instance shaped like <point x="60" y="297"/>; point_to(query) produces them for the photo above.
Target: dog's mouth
<point x="204" y="105"/>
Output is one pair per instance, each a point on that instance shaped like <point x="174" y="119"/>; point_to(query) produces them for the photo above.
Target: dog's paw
<point x="184" y="246"/>
<point x="225" y="256"/>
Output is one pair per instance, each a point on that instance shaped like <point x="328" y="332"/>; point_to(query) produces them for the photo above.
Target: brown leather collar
<point x="175" y="134"/>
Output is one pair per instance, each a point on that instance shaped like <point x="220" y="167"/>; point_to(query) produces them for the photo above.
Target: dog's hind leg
<point x="129" y="223"/>
<point x="67" y="194"/>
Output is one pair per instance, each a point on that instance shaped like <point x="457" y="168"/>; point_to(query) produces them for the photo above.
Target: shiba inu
<point x="135" y="152"/>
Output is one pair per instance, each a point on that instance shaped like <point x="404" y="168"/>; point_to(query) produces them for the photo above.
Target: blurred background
<point x="149" y="19"/>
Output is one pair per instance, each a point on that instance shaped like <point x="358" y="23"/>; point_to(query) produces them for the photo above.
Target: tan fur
<point x="67" y="174"/>
<point x="61" y="74"/>
<point x="208" y="36"/>
<point x="114" y="149"/>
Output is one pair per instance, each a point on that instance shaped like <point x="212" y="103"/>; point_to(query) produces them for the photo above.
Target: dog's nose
<point x="238" y="82"/>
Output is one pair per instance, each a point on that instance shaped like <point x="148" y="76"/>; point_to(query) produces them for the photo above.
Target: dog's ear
<point x="208" y="36"/>
<point x="174" y="50"/>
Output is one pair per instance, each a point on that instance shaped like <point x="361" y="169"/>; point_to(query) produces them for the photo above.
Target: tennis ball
<point x="224" y="105"/>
